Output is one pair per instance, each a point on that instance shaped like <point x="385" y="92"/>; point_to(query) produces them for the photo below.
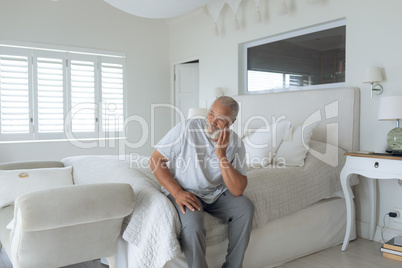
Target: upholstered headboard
<point x="337" y="110"/>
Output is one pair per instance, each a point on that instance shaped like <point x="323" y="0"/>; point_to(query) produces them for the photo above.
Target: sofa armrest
<point x="74" y="205"/>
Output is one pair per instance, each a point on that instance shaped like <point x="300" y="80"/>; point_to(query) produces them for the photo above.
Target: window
<point x="54" y="93"/>
<point x="303" y="59"/>
<point x="15" y="92"/>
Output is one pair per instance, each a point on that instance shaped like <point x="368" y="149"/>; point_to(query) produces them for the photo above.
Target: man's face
<point x="218" y="118"/>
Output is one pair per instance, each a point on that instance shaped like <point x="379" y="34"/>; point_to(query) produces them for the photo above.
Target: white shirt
<point x="193" y="161"/>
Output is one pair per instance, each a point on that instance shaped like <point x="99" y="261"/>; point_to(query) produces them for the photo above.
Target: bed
<point x="294" y="217"/>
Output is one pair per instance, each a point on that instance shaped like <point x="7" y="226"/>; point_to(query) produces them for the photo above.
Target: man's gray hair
<point x="229" y="102"/>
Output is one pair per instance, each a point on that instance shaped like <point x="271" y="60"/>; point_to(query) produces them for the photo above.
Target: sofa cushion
<point x="13" y="183"/>
<point x="6" y="215"/>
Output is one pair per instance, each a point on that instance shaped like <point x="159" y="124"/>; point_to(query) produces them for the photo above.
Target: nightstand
<point x="372" y="166"/>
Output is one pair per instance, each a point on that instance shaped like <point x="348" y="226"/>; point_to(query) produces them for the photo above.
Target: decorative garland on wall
<point x="214" y="9"/>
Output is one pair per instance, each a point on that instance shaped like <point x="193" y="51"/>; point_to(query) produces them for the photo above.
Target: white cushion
<point x="21" y="181"/>
<point x="261" y="144"/>
<point x="294" y="148"/>
<point x="11" y="224"/>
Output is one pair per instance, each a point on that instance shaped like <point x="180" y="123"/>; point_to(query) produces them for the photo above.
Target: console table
<point x="372" y="166"/>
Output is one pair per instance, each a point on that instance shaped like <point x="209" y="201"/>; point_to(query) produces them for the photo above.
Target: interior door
<point x="186" y="88"/>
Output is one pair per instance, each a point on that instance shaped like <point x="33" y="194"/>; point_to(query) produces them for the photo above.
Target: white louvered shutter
<point x="14" y="94"/>
<point x="83" y="96"/>
<point x="50" y="96"/>
<point x="261" y="80"/>
<point x="49" y="93"/>
<point x="112" y="97"/>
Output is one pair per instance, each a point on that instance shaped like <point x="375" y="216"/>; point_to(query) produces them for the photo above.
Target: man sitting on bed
<point x="200" y="165"/>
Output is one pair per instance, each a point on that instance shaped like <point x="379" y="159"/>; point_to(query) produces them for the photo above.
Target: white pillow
<point x="261" y="144"/>
<point x="21" y="181"/>
<point x="11" y="224"/>
<point x="294" y="148"/>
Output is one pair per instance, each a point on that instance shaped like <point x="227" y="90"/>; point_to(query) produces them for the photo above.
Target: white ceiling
<point x="157" y="9"/>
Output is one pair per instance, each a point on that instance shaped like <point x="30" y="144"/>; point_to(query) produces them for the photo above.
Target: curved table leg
<point x="350" y="206"/>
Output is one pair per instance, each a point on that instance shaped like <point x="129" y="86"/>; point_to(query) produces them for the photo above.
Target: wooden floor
<point x="361" y="253"/>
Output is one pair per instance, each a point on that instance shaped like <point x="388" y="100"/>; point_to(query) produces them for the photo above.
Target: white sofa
<point x="64" y="225"/>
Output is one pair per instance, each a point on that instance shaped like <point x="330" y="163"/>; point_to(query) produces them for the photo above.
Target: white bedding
<point x="154" y="225"/>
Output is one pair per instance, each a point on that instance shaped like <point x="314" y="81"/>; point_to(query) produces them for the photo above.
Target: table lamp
<point x="219" y="92"/>
<point x="201" y="112"/>
<point x="390" y="108"/>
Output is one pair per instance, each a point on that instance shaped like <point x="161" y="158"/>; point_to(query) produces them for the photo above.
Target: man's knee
<point x="193" y="222"/>
<point x="246" y="207"/>
<point x="245" y="212"/>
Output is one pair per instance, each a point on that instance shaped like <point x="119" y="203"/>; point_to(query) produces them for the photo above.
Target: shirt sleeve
<point x="170" y="145"/>
<point x="239" y="160"/>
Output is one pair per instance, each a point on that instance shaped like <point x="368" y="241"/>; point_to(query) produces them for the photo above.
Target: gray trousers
<point x="237" y="212"/>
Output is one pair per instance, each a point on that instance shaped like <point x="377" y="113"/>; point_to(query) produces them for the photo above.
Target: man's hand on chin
<point x="223" y="143"/>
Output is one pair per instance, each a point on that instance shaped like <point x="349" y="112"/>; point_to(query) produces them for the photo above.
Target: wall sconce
<point x="373" y="74"/>
<point x="219" y="92"/>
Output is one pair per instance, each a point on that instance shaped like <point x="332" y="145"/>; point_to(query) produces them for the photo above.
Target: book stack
<point x="393" y="249"/>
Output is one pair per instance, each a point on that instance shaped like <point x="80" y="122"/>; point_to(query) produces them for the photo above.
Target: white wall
<point x="373" y="39"/>
<point x="94" y="24"/>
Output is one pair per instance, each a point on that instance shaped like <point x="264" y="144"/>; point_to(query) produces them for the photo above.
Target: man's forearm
<point x="233" y="179"/>
<point x="164" y="176"/>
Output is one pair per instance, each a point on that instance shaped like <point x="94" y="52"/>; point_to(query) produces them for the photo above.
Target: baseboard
<point x="362" y="230"/>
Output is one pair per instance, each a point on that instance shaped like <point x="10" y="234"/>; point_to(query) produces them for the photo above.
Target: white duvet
<point x="154" y="226"/>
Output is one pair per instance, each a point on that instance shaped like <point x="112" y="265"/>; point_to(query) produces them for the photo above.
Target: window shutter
<point x="83" y="96"/>
<point x="14" y="94"/>
<point x="51" y="92"/>
<point x="261" y="80"/>
<point x="298" y="80"/>
<point x="50" y="85"/>
<point x="112" y="97"/>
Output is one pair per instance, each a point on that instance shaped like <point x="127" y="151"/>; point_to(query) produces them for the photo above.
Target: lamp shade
<point x="390" y="108"/>
<point x="373" y="74"/>
<point x="197" y="112"/>
<point x="218" y="92"/>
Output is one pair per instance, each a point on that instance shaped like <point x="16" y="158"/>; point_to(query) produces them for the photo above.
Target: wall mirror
<point x="309" y="58"/>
